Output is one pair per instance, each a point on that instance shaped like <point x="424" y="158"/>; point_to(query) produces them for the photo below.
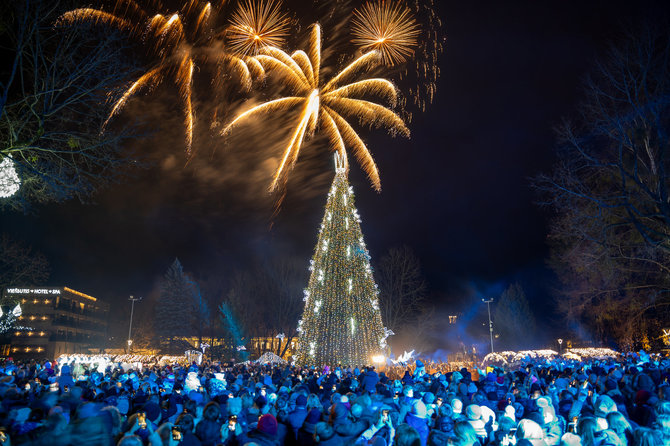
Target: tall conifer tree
<point x="341" y="322"/>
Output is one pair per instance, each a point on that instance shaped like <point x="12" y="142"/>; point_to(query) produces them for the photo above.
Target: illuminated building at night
<point x="56" y="321"/>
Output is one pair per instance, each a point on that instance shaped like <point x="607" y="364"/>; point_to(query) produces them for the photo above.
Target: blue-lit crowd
<point x="592" y="403"/>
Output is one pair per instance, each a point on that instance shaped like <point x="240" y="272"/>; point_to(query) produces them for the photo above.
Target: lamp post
<point x="560" y="342"/>
<point x="130" y="326"/>
<point x="488" y="307"/>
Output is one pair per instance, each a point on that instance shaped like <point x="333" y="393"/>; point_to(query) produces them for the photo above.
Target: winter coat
<point x="349" y="429"/>
<point x="369" y="381"/>
<point x="208" y="432"/>
<point x="260" y="438"/>
<point x="420" y="425"/>
<point x="190" y="440"/>
<point x="295" y="419"/>
<point x="306" y="434"/>
<point x="335" y="440"/>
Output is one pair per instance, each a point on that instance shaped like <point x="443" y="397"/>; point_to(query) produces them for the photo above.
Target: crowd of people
<point x="540" y="403"/>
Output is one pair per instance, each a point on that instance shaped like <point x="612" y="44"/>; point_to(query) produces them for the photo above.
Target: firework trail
<point x="327" y="104"/>
<point x="408" y="36"/>
<point x="194" y="33"/>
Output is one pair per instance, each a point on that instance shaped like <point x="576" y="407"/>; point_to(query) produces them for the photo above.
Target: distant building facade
<point x="57" y="321"/>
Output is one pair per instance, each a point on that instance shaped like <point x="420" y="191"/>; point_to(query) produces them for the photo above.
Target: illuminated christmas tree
<point x="341" y="323"/>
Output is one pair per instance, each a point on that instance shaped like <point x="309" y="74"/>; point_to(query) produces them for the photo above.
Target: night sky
<point x="458" y="192"/>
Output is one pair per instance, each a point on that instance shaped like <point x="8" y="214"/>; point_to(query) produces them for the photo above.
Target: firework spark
<point x="324" y="104"/>
<point x="178" y="39"/>
<point x="399" y="32"/>
<point x="255" y="26"/>
<point x="387" y="27"/>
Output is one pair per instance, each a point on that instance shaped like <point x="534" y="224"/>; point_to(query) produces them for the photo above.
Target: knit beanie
<point x="267" y="424"/>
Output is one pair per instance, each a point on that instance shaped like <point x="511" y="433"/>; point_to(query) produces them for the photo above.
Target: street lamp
<point x="560" y="341"/>
<point x="130" y="327"/>
<point x="488" y="307"/>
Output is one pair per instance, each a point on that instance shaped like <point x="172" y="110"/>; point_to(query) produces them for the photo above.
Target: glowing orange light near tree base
<point x="324" y="104"/>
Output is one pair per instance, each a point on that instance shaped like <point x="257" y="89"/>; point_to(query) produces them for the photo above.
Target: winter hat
<point x="472" y="388"/>
<point x="419" y="409"/>
<point x="356" y="410"/>
<point x="428" y="398"/>
<point x="301" y="401"/>
<point x="570" y="439"/>
<point x="457" y="406"/>
<point x="604" y="405"/>
<point x="530" y="430"/>
<point x="542" y="402"/>
<point x="217" y="386"/>
<point x="473" y="412"/>
<point x="267" y="424"/>
<point x="339" y="410"/>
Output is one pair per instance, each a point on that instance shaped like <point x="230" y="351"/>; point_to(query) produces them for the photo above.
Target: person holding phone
<point x="382" y="427"/>
<point x="182" y="431"/>
<point x="231" y="431"/>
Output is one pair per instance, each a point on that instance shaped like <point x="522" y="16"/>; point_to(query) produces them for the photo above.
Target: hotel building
<point x="56" y="321"/>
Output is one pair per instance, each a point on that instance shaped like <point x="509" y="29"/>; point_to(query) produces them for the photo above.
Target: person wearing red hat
<point x="265" y="433"/>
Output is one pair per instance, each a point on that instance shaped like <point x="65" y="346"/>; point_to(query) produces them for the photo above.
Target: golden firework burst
<point x="388" y="27"/>
<point x="256" y="25"/>
<point x="324" y="104"/>
<point x="177" y="39"/>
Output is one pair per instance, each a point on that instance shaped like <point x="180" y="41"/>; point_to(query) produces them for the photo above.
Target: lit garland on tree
<point x="9" y="179"/>
<point x="341" y="323"/>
